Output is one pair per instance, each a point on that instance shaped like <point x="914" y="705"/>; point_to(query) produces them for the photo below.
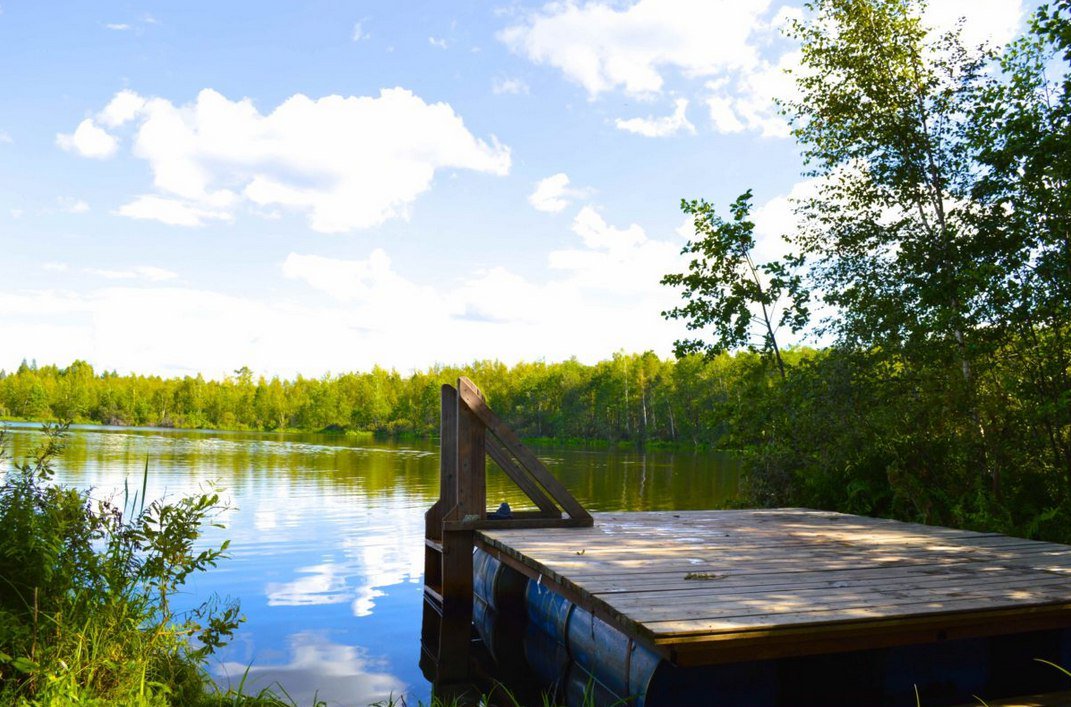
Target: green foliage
<point x="628" y="399"/>
<point x="724" y="286"/>
<point x="84" y="593"/>
<point x="938" y="237"/>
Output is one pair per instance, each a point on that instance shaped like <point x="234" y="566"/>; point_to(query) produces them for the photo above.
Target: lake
<point x="327" y="537"/>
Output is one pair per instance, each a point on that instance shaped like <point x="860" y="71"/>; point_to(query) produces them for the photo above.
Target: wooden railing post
<point x="464" y="494"/>
<point x="451" y="523"/>
<point x="471" y="463"/>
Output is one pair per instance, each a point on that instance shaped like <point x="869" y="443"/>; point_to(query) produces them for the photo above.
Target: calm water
<point x="327" y="537"/>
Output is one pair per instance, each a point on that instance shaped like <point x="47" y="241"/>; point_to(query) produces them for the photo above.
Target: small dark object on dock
<point x="503" y="513"/>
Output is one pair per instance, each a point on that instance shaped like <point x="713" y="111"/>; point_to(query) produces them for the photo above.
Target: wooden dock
<point x="786" y="596"/>
<point x="706" y="587"/>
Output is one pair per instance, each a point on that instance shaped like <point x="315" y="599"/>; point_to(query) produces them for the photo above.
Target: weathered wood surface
<point x="712" y="586"/>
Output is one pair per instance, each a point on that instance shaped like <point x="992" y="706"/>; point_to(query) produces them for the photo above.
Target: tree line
<point x="631" y="398"/>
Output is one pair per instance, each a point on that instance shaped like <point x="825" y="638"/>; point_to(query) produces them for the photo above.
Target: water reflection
<point x="327" y="537"/>
<point x="322" y="669"/>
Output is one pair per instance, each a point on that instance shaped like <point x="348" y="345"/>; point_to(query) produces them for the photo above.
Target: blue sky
<point x="324" y="186"/>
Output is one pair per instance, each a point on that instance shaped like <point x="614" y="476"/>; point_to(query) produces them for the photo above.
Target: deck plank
<point x="789" y="578"/>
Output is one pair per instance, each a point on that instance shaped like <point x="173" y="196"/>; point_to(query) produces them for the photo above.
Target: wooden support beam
<point x="500" y="456"/>
<point x="455" y="495"/>
<point x="470" y="396"/>
<point x="456" y="630"/>
<point x="447" y="452"/>
<point x="471" y="464"/>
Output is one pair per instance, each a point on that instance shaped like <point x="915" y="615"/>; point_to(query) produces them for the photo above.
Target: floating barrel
<point x="562" y="643"/>
<point x="621" y="667"/>
<point x="499" y="586"/>
<point x="616" y="660"/>
<point x="498" y="609"/>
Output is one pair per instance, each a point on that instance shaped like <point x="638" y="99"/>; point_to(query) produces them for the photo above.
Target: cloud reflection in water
<point x="320" y="669"/>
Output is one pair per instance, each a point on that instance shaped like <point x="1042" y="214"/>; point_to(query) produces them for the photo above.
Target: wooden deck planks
<point x="791" y="581"/>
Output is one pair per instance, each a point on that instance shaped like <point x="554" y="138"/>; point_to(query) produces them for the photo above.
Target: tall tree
<point x="883" y="120"/>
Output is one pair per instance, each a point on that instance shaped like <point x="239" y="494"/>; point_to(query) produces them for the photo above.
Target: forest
<point x="630" y="398"/>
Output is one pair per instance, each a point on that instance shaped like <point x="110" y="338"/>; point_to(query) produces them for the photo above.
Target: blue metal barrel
<point x="499" y="586"/>
<point x="621" y="666"/>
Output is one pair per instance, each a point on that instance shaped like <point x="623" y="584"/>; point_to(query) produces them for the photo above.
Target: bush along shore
<point x="85" y="593"/>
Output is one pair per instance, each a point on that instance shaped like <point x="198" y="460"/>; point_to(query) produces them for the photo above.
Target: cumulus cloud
<point x="660" y="127"/>
<point x="599" y="296"/>
<point x="776" y="218"/>
<point x="730" y="55"/>
<point x="346" y="162"/>
<point x="89" y="140"/>
<point x="118" y="26"/>
<point x="438" y="42"/>
<point x="372" y="281"/>
<point x="359" y="32"/>
<point x="123" y="108"/>
<point x="553" y="194"/>
<point x="5" y="137"/>
<point x="618" y="260"/>
<point x="603" y="48"/>
<point x="746" y="101"/>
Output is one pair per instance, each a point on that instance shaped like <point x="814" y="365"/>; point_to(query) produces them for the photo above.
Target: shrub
<point x="86" y="588"/>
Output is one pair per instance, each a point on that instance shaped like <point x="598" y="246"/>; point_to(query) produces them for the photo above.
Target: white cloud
<point x="123" y="108"/>
<point x="775" y="218"/>
<point x="359" y="32"/>
<point x="990" y="21"/>
<point x="348" y="163"/>
<point x="174" y="212"/>
<point x="513" y="86"/>
<point x="55" y="267"/>
<point x="728" y="54"/>
<point x="88" y="140"/>
<point x="5" y="137"/>
<point x="603" y="48"/>
<point x="597" y="296"/>
<point x="72" y="206"/>
<point x="617" y="260"/>
<point x="437" y="42"/>
<point x="118" y="26"/>
<point x="746" y="102"/>
<point x="150" y="273"/>
<point x="371" y="281"/>
<point x="660" y="127"/>
<point x="553" y="194"/>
